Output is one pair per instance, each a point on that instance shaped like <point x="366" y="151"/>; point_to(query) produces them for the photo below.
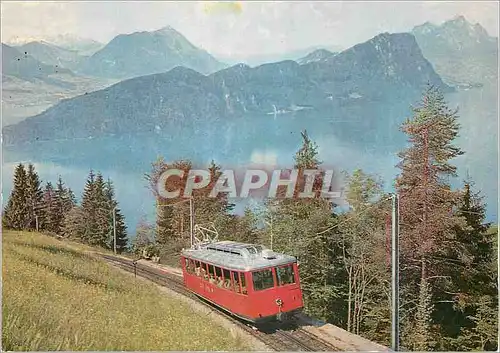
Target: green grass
<point x="56" y="297"/>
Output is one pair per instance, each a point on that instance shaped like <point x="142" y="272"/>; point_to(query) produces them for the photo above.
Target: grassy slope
<point x="57" y="298"/>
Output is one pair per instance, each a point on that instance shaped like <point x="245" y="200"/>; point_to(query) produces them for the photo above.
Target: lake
<point x="344" y="144"/>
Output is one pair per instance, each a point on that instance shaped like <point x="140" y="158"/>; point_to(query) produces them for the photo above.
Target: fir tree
<point x="472" y="285"/>
<point x="90" y="227"/>
<point x="16" y="213"/>
<point x="34" y="197"/>
<point x="248" y="227"/>
<point x="51" y="215"/>
<point x="121" y="228"/>
<point x="70" y="195"/>
<point x="103" y="206"/>
<point x="65" y="197"/>
<point x="61" y="203"/>
<point x="164" y="225"/>
<point x="73" y="226"/>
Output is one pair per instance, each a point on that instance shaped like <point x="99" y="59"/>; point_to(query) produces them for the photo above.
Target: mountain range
<point x="51" y="54"/>
<point x="24" y="66"/>
<point x="30" y="86"/>
<point x="178" y="101"/>
<point x="297" y="54"/>
<point x="83" y="46"/>
<point x="386" y="69"/>
<point x="463" y="54"/>
<point x="144" y="53"/>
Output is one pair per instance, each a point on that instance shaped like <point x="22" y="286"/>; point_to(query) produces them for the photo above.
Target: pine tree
<point x="73" y="226"/>
<point x="362" y="240"/>
<point x="51" y="217"/>
<point x="212" y="210"/>
<point x="248" y="227"/>
<point x="165" y="231"/>
<point x="61" y="204"/>
<point x="173" y="221"/>
<point x="71" y="198"/>
<point x="65" y="197"/>
<point x="121" y="228"/>
<point x="471" y="286"/>
<point x="90" y="227"/>
<point x="34" y="197"/>
<point x="426" y="199"/>
<point x="16" y="213"/>
<point x="422" y="334"/>
<point x="103" y="211"/>
<point x="144" y="236"/>
<point x="299" y="227"/>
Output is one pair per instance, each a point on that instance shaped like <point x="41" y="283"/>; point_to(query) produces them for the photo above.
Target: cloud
<point x="222" y="7"/>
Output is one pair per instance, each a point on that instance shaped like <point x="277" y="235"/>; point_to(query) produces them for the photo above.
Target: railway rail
<point x="277" y="338"/>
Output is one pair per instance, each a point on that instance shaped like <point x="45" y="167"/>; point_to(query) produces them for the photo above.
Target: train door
<point x="263" y="292"/>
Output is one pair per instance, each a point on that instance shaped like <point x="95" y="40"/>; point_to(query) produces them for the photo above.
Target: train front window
<point x="285" y="275"/>
<point x="263" y="279"/>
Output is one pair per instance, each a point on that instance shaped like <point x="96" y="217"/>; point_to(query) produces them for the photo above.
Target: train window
<point x="243" y="284"/>
<point x="227" y="278"/>
<point x="212" y="271"/>
<point x="236" y="282"/>
<point x="263" y="279"/>
<point x="191" y="266"/>
<point x="218" y="276"/>
<point x="285" y="275"/>
<point x="203" y="270"/>
<point x="218" y="272"/>
<point x="186" y="263"/>
<point x="197" y="268"/>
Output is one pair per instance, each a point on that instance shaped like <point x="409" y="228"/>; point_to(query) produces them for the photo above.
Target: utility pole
<point x="191" y="219"/>
<point x="271" y="224"/>
<point x="395" y="273"/>
<point x="114" y="229"/>
<point x="36" y="222"/>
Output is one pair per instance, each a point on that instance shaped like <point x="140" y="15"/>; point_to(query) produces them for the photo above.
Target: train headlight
<point x="279" y="302"/>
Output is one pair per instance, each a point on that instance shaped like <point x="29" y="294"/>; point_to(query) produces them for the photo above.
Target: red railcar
<point x="247" y="280"/>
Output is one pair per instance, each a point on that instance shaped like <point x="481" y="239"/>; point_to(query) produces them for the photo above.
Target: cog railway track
<point x="277" y="338"/>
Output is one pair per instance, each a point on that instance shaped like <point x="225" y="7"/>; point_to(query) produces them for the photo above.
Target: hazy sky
<point x="239" y="29"/>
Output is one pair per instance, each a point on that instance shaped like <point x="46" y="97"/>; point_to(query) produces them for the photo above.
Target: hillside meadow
<point x="57" y="297"/>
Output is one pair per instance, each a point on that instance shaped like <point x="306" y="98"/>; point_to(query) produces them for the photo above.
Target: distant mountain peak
<point x="316" y="55"/>
<point x="461" y="52"/>
<point x="458" y="22"/>
<point x="167" y="28"/>
<point x="149" y="52"/>
<point x="461" y="23"/>
<point x="459" y="19"/>
<point x="425" y="27"/>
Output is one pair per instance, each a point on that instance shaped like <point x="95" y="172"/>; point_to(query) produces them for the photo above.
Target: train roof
<point x="238" y="256"/>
